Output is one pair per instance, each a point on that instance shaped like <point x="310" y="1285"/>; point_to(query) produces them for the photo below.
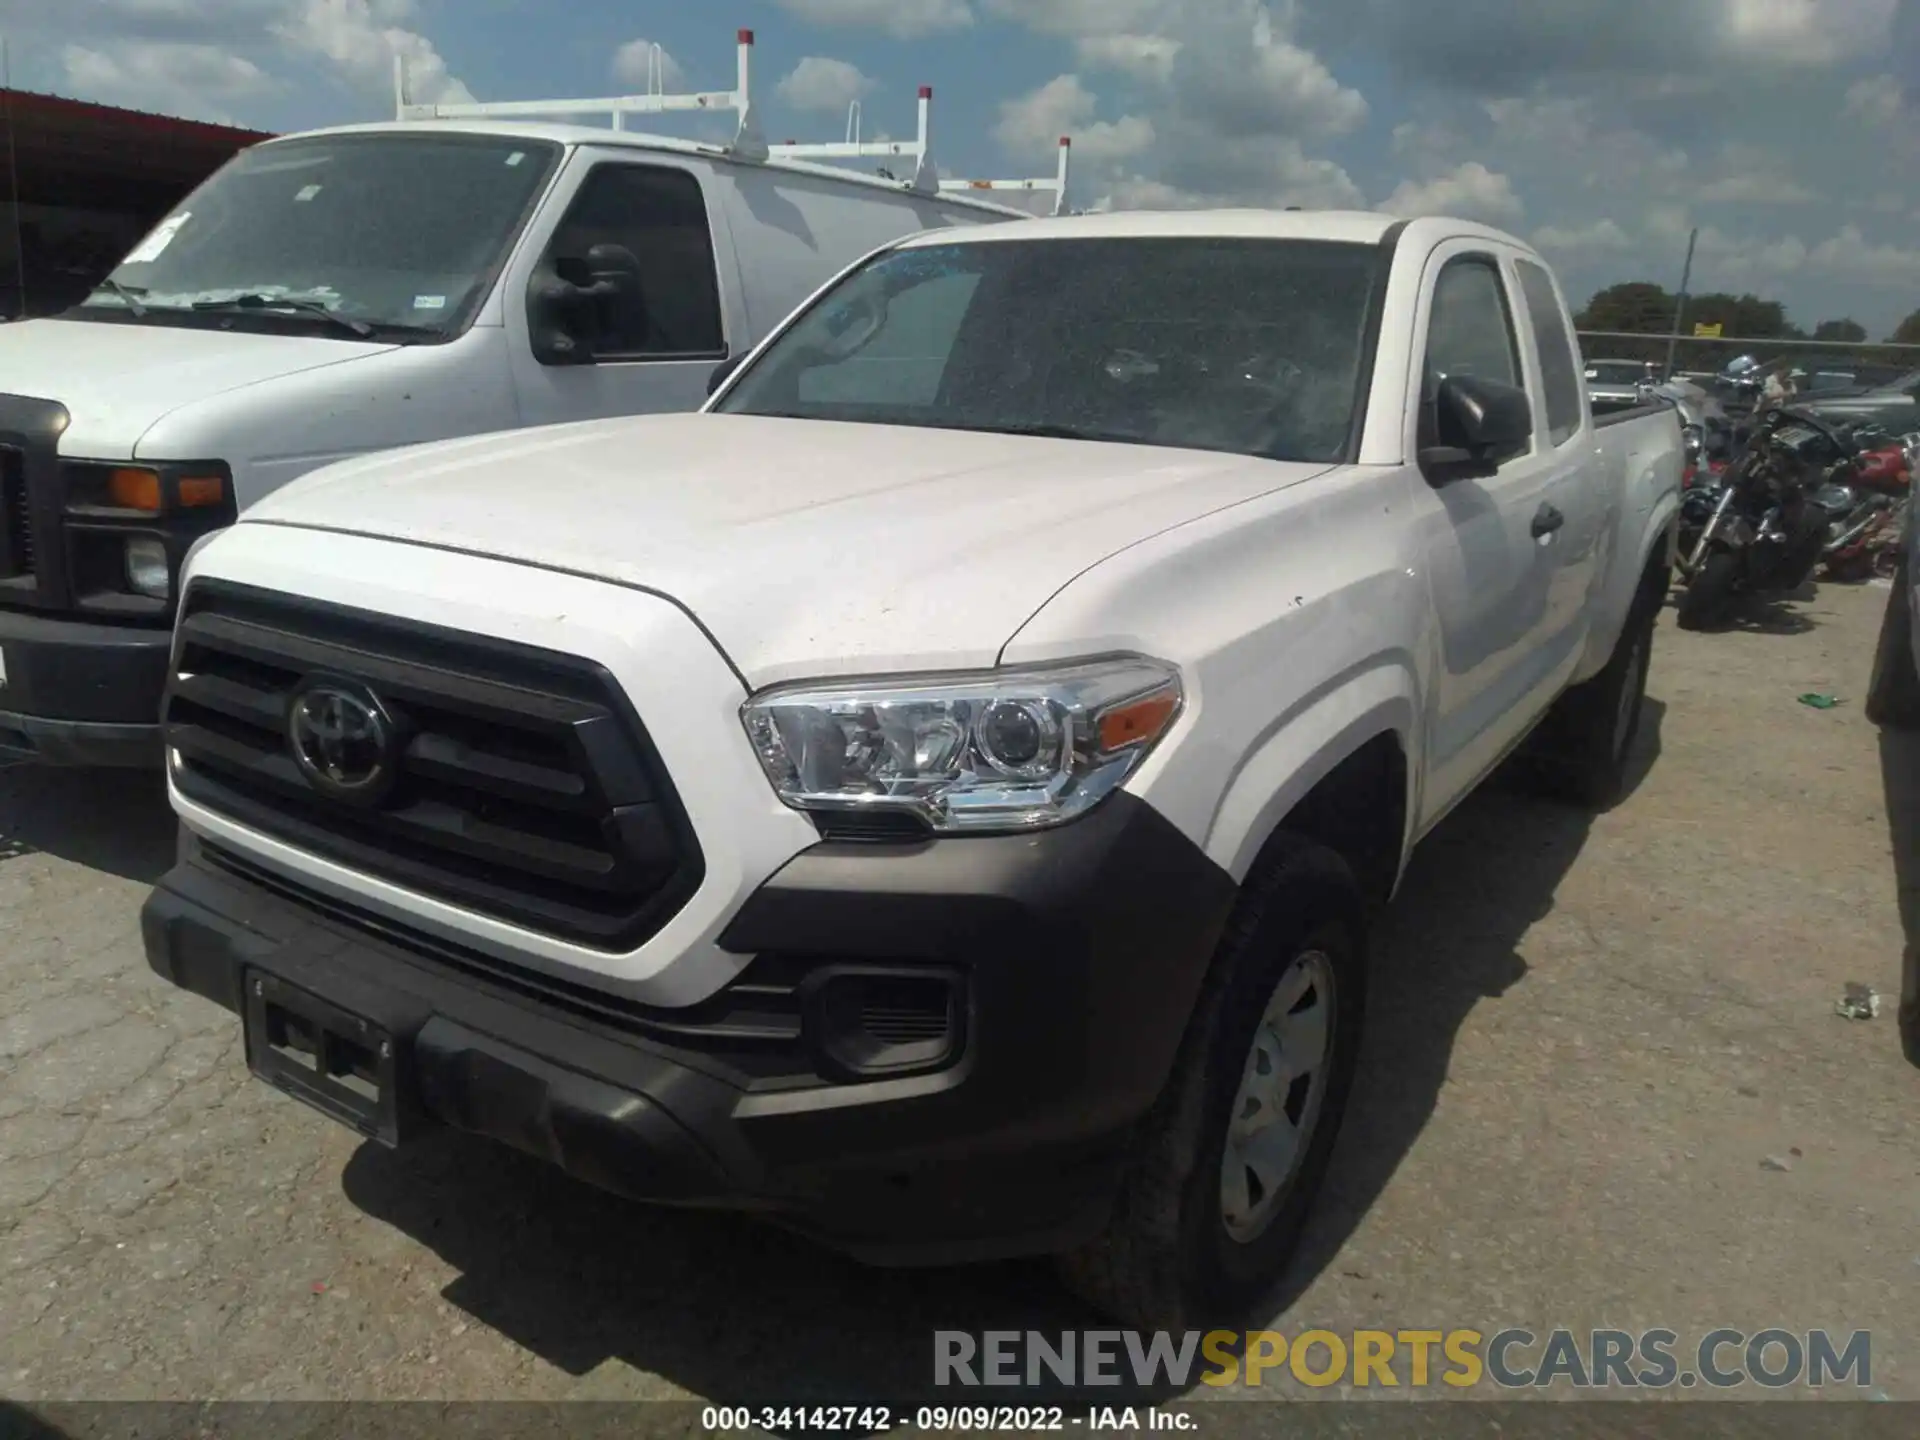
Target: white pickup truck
<point x="932" y="797"/>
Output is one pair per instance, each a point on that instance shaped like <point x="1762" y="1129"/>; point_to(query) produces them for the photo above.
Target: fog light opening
<point x="146" y="567"/>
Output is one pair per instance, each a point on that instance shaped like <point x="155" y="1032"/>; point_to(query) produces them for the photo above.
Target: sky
<point x="1786" y="131"/>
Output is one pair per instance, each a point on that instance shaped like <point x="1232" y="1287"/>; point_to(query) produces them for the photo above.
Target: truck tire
<point x="1226" y="1165"/>
<point x="1581" y="750"/>
<point x="1709" y="593"/>
<point x="1893" y="694"/>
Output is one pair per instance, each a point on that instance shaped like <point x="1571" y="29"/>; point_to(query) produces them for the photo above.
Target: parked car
<point x="356" y="289"/>
<point x="1618" y="384"/>
<point x="932" y="797"/>
<point x="1893" y="407"/>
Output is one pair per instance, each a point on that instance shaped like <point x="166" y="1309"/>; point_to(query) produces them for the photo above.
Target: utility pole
<point x="1680" y="302"/>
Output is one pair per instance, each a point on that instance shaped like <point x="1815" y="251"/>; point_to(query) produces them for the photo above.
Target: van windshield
<point x="392" y="235"/>
<point x="1252" y="346"/>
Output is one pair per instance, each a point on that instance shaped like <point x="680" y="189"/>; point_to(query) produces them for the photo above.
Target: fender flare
<point x="1304" y="746"/>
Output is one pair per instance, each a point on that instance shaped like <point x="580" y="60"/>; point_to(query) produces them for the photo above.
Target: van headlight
<point x="994" y="751"/>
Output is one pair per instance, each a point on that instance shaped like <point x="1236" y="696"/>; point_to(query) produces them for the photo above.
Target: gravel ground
<point x="1589" y="1038"/>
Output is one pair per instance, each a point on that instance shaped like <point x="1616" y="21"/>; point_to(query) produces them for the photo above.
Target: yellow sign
<point x="1706" y="332"/>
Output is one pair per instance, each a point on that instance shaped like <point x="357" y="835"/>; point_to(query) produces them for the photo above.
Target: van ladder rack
<point x="748" y="144"/>
<point x="1056" y="183"/>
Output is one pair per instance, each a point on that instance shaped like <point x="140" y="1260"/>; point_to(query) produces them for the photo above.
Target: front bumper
<point x="76" y="693"/>
<point x="1080" y="952"/>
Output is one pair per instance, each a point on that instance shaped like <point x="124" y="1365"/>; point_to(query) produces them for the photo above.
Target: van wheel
<point x="1893" y="692"/>
<point x="1226" y="1168"/>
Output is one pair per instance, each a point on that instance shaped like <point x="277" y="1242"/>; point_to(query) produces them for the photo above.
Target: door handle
<point x="1546" y="520"/>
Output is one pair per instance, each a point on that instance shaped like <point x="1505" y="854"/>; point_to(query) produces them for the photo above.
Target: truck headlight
<point x="999" y="750"/>
<point x="146" y="559"/>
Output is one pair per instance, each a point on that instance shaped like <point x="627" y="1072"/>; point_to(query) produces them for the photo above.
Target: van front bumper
<point x="1078" y="954"/>
<point x="78" y="693"/>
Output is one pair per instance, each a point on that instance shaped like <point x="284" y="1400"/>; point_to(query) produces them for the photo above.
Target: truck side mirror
<point x="1478" y="424"/>
<point x="722" y="373"/>
<point x="573" y="305"/>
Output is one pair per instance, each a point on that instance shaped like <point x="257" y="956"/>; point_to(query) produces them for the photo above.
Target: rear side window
<point x="1471" y="332"/>
<point x="1559" y="365"/>
<point x="660" y="216"/>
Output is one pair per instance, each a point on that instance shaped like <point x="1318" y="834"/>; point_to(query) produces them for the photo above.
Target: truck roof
<point x="601" y="135"/>
<point x="1362" y="227"/>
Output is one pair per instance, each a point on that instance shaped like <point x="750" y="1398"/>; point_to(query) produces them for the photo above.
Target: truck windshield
<point x="397" y="234"/>
<point x="1257" y="347"/>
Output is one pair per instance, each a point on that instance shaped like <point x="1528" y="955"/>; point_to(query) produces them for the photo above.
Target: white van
<point x="458" y="271"/>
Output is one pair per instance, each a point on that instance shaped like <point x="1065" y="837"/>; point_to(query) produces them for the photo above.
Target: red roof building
<point x="81" y="183"/>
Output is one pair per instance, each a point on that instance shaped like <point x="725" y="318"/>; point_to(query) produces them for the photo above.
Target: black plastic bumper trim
<point x="1083" y="950"/>
<point x="79" y="693"/>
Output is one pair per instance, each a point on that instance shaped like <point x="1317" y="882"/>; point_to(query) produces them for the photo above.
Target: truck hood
<point x="807" y="548"/>
<point x="118" y="379"/>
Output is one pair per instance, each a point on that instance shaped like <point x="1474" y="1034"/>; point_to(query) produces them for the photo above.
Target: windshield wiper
<point x="283" y="302"/>
<point x="1043" y="432"/>
<point x="126" y="294"/>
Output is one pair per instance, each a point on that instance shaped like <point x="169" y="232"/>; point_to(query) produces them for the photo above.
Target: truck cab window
<point x="1559" y="366"/>
<point x="671" y="305"/>
<point x="1471" y="332"/>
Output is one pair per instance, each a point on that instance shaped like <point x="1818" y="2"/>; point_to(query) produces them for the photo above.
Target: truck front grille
<point x="522" y="786"/>
<point x="16" y="558"/>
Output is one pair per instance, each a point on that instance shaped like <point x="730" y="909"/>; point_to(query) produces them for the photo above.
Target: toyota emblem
<point x="343" y="741"/>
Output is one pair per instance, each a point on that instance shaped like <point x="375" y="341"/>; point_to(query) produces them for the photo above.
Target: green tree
<point x="1908" y="331"/>
<point x="1635" y="305"/>
<point x="1843" y="330"/>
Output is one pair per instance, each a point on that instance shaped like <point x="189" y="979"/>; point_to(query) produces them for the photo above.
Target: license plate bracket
<point x="341" y="1064"/>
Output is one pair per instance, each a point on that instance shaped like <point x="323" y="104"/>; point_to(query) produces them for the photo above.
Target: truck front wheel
<point x="1228" y="1161"/>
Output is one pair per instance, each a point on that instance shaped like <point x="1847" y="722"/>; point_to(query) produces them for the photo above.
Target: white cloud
<point x="195" y="81"/>
<point x="1850" y="255"/>
<point x="1806" y="32"/>
<point x="1755" y="189"/>
<point x="361" y="39"/>
<point x="1583" y="242"/>
<point x="1877" y="100"/>
<point x="645" y="67"/>
<point x="1267" y="173"/>
<point x="820" y="83"/>
<point x="902" y="19"/>
<point x="1470" y="191"/>
<point x="1031" y="125"/>
<point x="1145" y="57"/>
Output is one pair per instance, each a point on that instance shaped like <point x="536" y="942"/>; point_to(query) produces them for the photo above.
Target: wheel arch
<point x="1340" y="770"/>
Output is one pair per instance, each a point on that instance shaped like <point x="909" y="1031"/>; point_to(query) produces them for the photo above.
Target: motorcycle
<point x="1867" y="515"/>
<point x="1765" y="530"/>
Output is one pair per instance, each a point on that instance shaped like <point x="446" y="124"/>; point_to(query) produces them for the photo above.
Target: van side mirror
<point x="576" y="306"/>
<point x="1477" y="425"/>
<point x="722" y="373"/>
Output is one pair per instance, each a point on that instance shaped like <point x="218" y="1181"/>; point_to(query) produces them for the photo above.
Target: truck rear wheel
<point x="1581" y="750"/>
<point x="1229" y="1160"/>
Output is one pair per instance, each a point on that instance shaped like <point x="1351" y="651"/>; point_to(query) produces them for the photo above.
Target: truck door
<point x="1575" y="483"/>
<point x="1489" y="541"/>
<point x="619" y="308"/>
